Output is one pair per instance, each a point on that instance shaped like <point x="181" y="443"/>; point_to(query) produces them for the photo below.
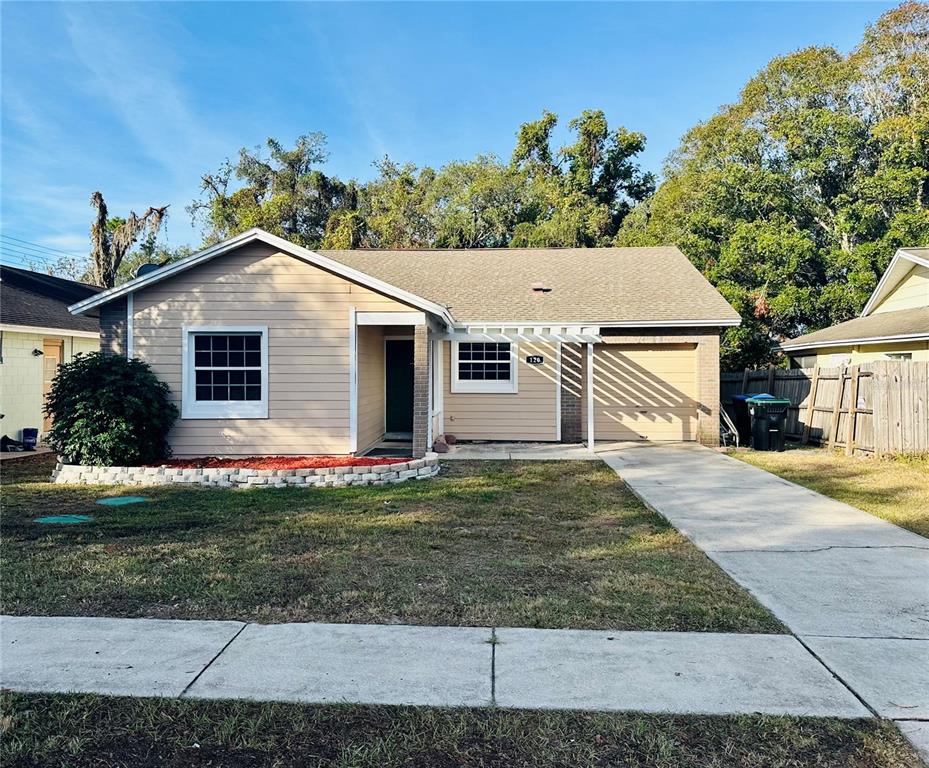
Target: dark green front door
<point x="399" y="372"/>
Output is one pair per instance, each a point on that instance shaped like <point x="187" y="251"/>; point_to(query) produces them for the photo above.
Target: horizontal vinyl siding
<point x="529" y="414"/>
<point x="912" y="293"/>
<point x="830" y="357"/>
<point x="370" y="385"/>
<point x="644" y="392"/>
<point x="307" y="313"/>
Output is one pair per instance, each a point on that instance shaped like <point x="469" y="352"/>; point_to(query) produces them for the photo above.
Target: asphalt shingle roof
<point x="903" y="322"/>
<point x="41" y="301"/>
<point x="589" y="285"/>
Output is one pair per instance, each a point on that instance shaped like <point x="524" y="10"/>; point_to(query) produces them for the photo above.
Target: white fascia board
<point x="517" y="337"/>
<point x="252" y="235"/>
<point x="864" y="341"/>
<point x="47" y="331"/>
<point x="391" y="318"/>
<point x="464" y="326"/>
<point x="894" y="273"/>
<point x="915" y="258"/>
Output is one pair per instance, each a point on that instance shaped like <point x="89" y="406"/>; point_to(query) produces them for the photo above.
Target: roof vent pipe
<point x="540" y="287"/>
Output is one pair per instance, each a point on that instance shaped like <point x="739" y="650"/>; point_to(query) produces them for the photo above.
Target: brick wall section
<point x="420" y="390"/>
<point x="572" y="389"/>
<point x="707" y="341"/>
<point x="113" y="327"/>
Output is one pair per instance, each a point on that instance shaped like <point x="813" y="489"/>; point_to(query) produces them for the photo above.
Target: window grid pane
<point x="484" y="361"/>
<point x="227" y="367"/>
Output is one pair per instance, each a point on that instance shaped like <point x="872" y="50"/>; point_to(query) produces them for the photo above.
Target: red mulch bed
<point x="281" y="462"/>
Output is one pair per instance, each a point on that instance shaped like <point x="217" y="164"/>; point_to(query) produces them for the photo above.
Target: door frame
<point x="50" y="341"/>
<point x="392" y="337"/>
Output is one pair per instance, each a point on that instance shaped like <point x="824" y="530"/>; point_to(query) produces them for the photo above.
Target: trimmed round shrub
<point x="109" y="411"/>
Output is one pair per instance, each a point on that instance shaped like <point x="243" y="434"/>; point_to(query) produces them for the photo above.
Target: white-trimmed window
<point x="483" y="366"/>
<point x="225" y="372"/>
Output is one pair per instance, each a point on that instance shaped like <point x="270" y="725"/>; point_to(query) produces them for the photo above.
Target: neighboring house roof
<point x="41" y="301"/>
<point x="870" y="328"/>
<point x="588" y="285"/>
<point x="900" y="265"/>
<point x="902" y="325"/>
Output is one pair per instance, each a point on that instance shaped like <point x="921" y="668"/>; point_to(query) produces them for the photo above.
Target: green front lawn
<point x="534" y="544"/>
<point x="84" y="731"/>
<point x="896" y="489"/>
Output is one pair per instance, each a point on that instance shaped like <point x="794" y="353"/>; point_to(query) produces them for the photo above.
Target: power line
<point x="25" y="260"/>
<point x="27" y="256"/>
<point x="22" y="245"/>
<point x="30" y="244"/>
<point x="32" y="257"/>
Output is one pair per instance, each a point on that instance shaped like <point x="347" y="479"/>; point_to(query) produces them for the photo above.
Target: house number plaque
<point x="535" y="359"/>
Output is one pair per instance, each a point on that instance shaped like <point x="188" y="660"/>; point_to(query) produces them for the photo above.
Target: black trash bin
<point x="769" y="417"/>
<point x="743" y="419"/>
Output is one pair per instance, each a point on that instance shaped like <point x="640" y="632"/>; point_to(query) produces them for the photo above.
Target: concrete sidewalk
<point x="439" y="666"/>
<point x="852" y="587"/>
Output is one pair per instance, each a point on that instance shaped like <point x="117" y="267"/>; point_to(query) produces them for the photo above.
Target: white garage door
<point x="644" y="392"/>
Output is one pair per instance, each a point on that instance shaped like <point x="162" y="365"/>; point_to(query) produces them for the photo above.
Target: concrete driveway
<point x="852" y="587"/>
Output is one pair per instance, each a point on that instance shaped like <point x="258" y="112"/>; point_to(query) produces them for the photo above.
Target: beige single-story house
<point x="271" y="348"/>
<point x="37" y="334"/>
<point x="894" y="324"/>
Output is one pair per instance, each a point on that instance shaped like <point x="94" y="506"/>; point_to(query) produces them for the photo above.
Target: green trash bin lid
<point x="768" y="400"/>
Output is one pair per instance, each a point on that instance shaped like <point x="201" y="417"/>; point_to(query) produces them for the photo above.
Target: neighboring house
<point x="37" y="334"/>
<point x="270" y="348"/>
<point x="894" y="324"/>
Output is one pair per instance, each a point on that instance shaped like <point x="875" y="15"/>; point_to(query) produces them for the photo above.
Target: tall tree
<point x="579" y="194"/>
<point x="574" y="195"/>
<point x="793" y="199"/>
<point x="112" y="239"/>
<point x="283" y="192"/>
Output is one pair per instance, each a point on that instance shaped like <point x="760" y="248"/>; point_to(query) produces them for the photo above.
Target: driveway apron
<point x="853" y="588"/>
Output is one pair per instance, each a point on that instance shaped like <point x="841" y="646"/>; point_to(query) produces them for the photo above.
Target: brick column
<point x="708" y="389"/>
<point x="420" y="390"/>
<point x="572" y="390"/>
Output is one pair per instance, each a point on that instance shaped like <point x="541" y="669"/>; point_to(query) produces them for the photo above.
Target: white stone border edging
<point x="233" y="477"/>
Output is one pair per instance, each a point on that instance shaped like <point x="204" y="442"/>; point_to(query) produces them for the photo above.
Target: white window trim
<point x="230" y="409"/>
<point x="506" y="387"/>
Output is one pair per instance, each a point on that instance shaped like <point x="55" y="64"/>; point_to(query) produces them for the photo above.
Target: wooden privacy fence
<point x="872" y="408"/>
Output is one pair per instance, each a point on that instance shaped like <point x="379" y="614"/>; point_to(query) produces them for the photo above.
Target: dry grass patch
<point x="85" y="731"/>
<point x="895" y="489"/>
<point x="536" y="544"/>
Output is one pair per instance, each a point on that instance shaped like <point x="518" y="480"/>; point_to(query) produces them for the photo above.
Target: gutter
<point x="860" y="341"/>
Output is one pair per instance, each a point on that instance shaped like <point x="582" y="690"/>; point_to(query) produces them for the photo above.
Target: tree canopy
<point x="576" y="194"/>
<point x="793" y="200"/>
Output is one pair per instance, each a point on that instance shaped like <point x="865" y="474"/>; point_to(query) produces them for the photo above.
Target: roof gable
<point x="900" y="266"/>
<point x="285" y="246"/>
<point x="609" y="286"/>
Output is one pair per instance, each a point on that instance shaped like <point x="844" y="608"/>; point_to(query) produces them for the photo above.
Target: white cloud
<point x="130" y="56"/>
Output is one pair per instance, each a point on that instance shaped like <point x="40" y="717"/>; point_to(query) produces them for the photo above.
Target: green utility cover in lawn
<point x="64" y="519"/>
<point x="118" y="501"/>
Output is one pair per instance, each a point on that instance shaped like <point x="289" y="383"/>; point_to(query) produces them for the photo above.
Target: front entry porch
<point x="389" y="403"/>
